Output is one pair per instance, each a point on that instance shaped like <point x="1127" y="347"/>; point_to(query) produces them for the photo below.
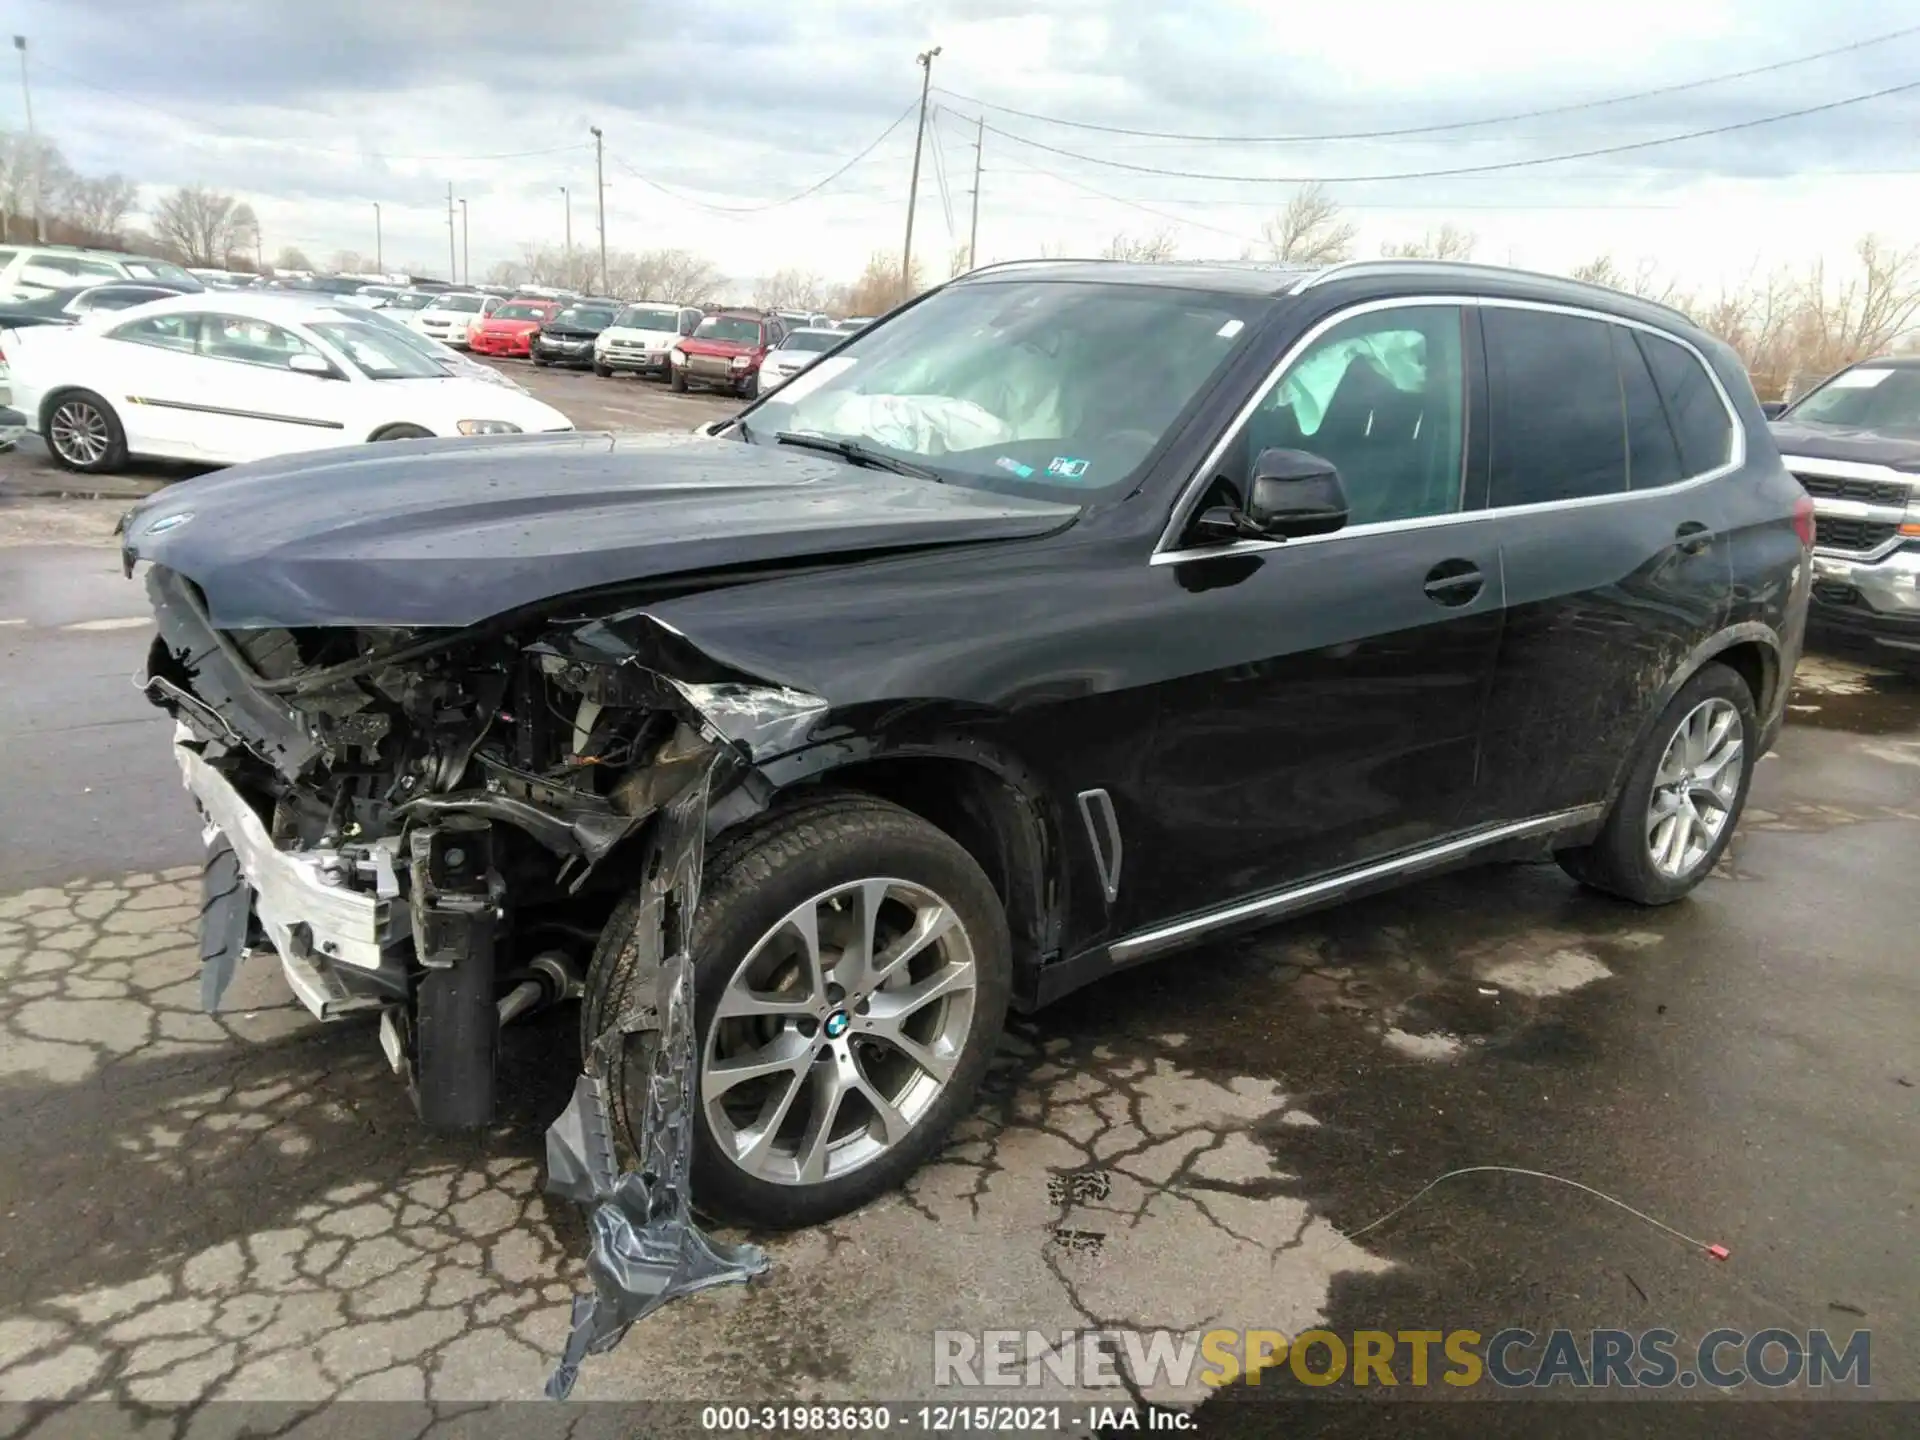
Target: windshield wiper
<point x="854" y="453"/>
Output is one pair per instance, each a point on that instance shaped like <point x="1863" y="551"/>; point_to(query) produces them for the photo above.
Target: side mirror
<point x="1773" y="408"/>
<point x="312" y="365"/>
<point x="1295" y="493"/>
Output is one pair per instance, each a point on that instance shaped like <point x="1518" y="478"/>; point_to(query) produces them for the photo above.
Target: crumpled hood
<point x="1844" y="442"/>
<point x="453" y="532"/>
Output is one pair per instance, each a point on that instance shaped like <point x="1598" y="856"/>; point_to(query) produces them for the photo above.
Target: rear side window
<point x="1700" y="421"/>
<point x="1653" y="455"/>
<point x="1558" y="431"/>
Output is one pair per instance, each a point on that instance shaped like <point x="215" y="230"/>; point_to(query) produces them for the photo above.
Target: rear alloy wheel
<point x="84" y="434"/>
<point x="1676" y="812"/>
<point x="852" y="970"/>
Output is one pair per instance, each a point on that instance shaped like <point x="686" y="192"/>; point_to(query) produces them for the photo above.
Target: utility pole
<point x="379" y="255"/>
<point x="973" y="230"/>
<point x="600" y="188"/>
<point x="925" y="61"/>
<point x="567" y="200"/>
<point x="33" y="145"/>
<point x="466" y="265"/>
<point x="453" y="275"/>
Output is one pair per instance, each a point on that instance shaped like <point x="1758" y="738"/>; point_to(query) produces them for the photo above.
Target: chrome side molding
<point x="1279" y="903"/>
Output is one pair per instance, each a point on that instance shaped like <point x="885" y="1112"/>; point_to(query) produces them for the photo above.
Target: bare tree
<point x="349" y="262"/>
<point x="33" y="173"/>
<point x="509" y="272"/>
<point x="790" y="290"/>
<point x="676" y="275"/>
<point x="1310" y="231"/>
<point x="292" y="257"/>
<point x="1449" y="242"/>
<point x="204" y="225"/>
<point x="99" y="204"/>
<point x="959" y="261"/>
<point x="1157" y="248"/>
<point x="879" y="289"/>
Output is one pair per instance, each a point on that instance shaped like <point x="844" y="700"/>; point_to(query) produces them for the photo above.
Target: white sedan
<point x="794" y="354"/>
<point x="226" y="378"/>
<point x="449" y="318"/>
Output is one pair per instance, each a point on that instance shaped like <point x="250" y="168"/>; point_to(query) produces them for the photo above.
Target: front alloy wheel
<point x="838" y="1031"/>
<point x="1694" y="789"/>
<point x="852" y="968"/>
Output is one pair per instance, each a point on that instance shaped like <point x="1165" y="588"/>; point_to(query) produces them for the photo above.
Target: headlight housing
<point x="488" y="427"/>
<point x="677" y="356"/>
<point x="741" y="362"/>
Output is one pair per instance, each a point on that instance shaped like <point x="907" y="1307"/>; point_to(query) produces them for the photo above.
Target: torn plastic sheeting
<point x="645" y="1248"/>
<point x="764" y="719"/>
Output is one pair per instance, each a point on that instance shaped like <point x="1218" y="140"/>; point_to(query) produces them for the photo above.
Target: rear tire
<point x="83" y="433"/>
<point x="1672" y="820"/>
<point x="795" y="862"/>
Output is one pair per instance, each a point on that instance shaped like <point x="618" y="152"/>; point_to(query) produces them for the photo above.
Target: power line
<point x="1147" y="209"/>
<point x="1450" y="125"/>
<point x="293" y="144"/>
<point x="1211" y="201"/>
<point x="812" y="189"/>
<point x="1489" y="168"/>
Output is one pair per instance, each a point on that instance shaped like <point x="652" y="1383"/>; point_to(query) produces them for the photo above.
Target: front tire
<point x="831" y="1064"/>
<point x="84" y="434"/>
<point x="605" y="372"/>
<point x="679" y="383"/>
<point x="401" y="432"/>
<point x="1676" y="813"/>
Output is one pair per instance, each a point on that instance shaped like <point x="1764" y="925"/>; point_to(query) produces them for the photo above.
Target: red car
<point x="509" y="330"/>
<point x="725" y="352"/>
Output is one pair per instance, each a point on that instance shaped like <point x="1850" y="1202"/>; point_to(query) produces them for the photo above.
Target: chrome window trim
<point x="1165" y="552"/>
<point x="1143" y="944"/>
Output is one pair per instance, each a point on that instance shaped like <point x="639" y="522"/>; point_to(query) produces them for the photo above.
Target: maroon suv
<point x="725" y="352"/>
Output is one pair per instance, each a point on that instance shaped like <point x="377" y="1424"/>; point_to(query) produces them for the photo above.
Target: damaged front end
<point x="435" y="825"/>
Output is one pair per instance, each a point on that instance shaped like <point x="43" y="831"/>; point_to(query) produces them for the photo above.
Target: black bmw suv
<point x="1072" y="615"/>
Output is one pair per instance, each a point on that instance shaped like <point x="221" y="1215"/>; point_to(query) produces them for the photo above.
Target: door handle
<point x="1454" y="582"/>
<point x="1692" y="537"/>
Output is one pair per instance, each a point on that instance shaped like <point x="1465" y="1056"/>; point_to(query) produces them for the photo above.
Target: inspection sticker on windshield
<point x="1014" y="467"/>
<point x="1231" y="329"/>
<point x="1066" y="467"/>
<point x="1858" y="379"/>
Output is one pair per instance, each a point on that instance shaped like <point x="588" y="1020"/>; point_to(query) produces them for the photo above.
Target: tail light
<point x="1803" y="521"/>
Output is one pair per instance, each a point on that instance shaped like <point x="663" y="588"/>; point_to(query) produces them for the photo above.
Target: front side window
<point x="731" y="328"/>
<point x="1381" y="396"/>
<point x="249" y="341"/>
<point x="163" y="332"/>
<point x="1021" y="385"/>
<point x="1558" y="431"/>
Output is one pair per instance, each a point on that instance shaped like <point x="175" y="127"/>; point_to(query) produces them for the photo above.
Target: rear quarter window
<point x="1692" y="403"/>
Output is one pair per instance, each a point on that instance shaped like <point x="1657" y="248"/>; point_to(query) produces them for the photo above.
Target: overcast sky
<point x="314" y="110"/>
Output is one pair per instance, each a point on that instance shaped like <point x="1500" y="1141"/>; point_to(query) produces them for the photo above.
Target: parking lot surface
<point x="243" y="1207"/>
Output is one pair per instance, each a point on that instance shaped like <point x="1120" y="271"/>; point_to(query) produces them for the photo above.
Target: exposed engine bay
<point x="420" y="823"/>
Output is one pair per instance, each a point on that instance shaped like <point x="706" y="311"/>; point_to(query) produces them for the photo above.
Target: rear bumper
<point x="1875" y="601"/>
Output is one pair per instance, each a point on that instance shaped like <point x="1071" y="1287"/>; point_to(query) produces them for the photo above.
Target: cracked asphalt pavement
<point x="242" y="1206"/>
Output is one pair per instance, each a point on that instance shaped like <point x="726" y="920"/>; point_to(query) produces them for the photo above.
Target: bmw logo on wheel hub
<point x="836" y="1025"/>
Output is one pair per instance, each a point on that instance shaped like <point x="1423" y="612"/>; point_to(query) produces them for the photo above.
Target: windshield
<point x="379" y="354"/>
<point x="521" y="311"/>
<point x="463" y="304"/>
<point x="812" y="340"/>
<point x="585" y="317"/>
<point x="731" y="328"/>
<point x="1020" y="385"/>
<point x="635" y="317"/>
<point x="1872" y="397"/>
<point x="409" y="300"/>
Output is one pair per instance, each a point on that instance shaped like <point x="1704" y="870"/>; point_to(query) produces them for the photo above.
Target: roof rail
<point x="1466" y="268"/>
<point x="1038" y="260"/>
